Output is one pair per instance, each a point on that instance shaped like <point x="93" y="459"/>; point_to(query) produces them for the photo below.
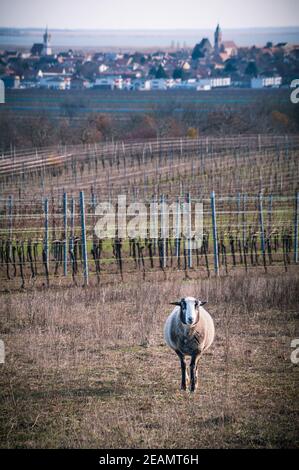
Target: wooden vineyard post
<point x="83" y="238"/>
<point x="215" y="237"/>
<point x="270" y="208"/>
<point x="244" y="230"/>
<point x="9" y="246"/>
<point x="72" y="234"/>
<point x="189" y="213"/>
<point x="95" y="244"/>
<point x="65" y="243"/>
<point x="238" y="210"/>
<point x="205" y="252"/>
<point x="296" y="221"/>
<point x="10" y="213"/>
<point x="269" y="232"/>
<point x="46" y="240"/>
<point x="72" y="247"/>
<point x="163" y="231"/>
<point x="155" y="226"/>
<point x="178" y="232"/>
<point x="262" y="230"/>
<point x="238" y="240"/>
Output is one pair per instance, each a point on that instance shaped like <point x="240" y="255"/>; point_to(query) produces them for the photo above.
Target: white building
<point x="105" y="82"/>
<point x="111" y="82"/>
<point x="141" y="85"/>
<point x="190" y="84"/>
<point x="266" y="82"/>
<point x="158" y="84"/>
<point x="103" y="68"/>
<point x="55" y="83"/>
<point x="127" y="84"/>
<point x="170" y="83"/>
<point x="118" y="83"/>
<point x="204" y="84"/>
<point x="219" y="82"/>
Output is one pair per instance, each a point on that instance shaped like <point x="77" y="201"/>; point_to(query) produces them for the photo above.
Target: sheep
<point x="189" y="331"/>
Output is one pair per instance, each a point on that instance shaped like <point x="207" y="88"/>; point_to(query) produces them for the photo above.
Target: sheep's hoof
<point x="183" y="388"/>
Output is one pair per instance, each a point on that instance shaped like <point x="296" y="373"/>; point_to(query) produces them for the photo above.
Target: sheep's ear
<point x="178" y="304"/>
<point x="203" y="303"/>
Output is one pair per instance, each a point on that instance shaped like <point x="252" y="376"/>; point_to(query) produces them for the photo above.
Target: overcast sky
<point x="148" y="14"/>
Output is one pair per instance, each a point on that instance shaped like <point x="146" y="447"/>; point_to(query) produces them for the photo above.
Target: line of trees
<point x="165" y="120"/>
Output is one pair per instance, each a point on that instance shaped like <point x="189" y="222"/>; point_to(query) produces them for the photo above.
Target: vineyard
<point x="82" y="315"/>
<point x="248" y="187"/>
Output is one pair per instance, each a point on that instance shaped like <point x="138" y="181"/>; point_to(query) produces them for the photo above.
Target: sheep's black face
<point x="189" y="310"/>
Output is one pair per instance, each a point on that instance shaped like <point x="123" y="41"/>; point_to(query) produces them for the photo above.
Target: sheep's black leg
<point x="183" y="369"/>
<point x="193" y="371"/>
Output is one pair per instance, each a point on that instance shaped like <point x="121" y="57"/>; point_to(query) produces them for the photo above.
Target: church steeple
<point x="218" y="39"/>
<point x="47" y="50"/>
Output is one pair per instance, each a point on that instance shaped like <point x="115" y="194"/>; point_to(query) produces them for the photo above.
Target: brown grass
<point x="89" y="367"/>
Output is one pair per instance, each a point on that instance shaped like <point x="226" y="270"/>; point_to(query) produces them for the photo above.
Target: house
<point x="2" y="92"/>
<point x="190" y="84"/>
<point x="203" y="49"/>
<point x="230" y="48"/>
<point x="24" y="55"/>
<point x="11" y="54"/>
<point x="218" y="66"/>
<point x="11" y="81"/>
<point x="185" y="66"/>
<point x="158" y="84"/>
<point x="204" y="84"/>
<point x="281" y="45"/>
<point x="127" y="83"/>
<point x="37" y="49"/>
<point x="170" y="82"/>
<point x="118" y="83"/>
<point x="52" y="72"/>
<point x="141" y="85"/>
<point x="106" y="83"/>
<point x="29" y="83"/>
<point x="79" y="84"/>
<point x="266" y="82"/>
<point x="55" y="83"/>
<point x="103" y="68"/>
<point x="179" y="85"/>
<point x="220" y="82"/>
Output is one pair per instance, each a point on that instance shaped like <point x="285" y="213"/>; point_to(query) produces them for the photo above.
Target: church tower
<point x="218" y="39"/>
<point x="47" y="50"/>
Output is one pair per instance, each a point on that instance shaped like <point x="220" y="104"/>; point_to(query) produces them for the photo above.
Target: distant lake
<point x="143" y="39"/>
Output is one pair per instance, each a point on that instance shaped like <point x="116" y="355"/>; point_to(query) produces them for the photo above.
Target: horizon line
<point x="54" y="28"/>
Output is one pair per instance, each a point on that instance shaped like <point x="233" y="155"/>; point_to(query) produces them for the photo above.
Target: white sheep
<point x="189" y="330"/>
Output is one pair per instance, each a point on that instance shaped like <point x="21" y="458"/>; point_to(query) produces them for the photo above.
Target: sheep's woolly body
<point x="189" y="331"/>
<point x="189" y="339"/>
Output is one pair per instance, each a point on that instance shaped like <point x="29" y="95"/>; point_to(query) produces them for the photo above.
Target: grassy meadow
<point x="88" y="367"/>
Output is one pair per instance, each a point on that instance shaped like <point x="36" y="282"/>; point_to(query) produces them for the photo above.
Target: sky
<point x="148" y="14"/>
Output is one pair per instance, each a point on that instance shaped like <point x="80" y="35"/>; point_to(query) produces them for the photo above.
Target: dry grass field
<point x="88" y="367"/>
